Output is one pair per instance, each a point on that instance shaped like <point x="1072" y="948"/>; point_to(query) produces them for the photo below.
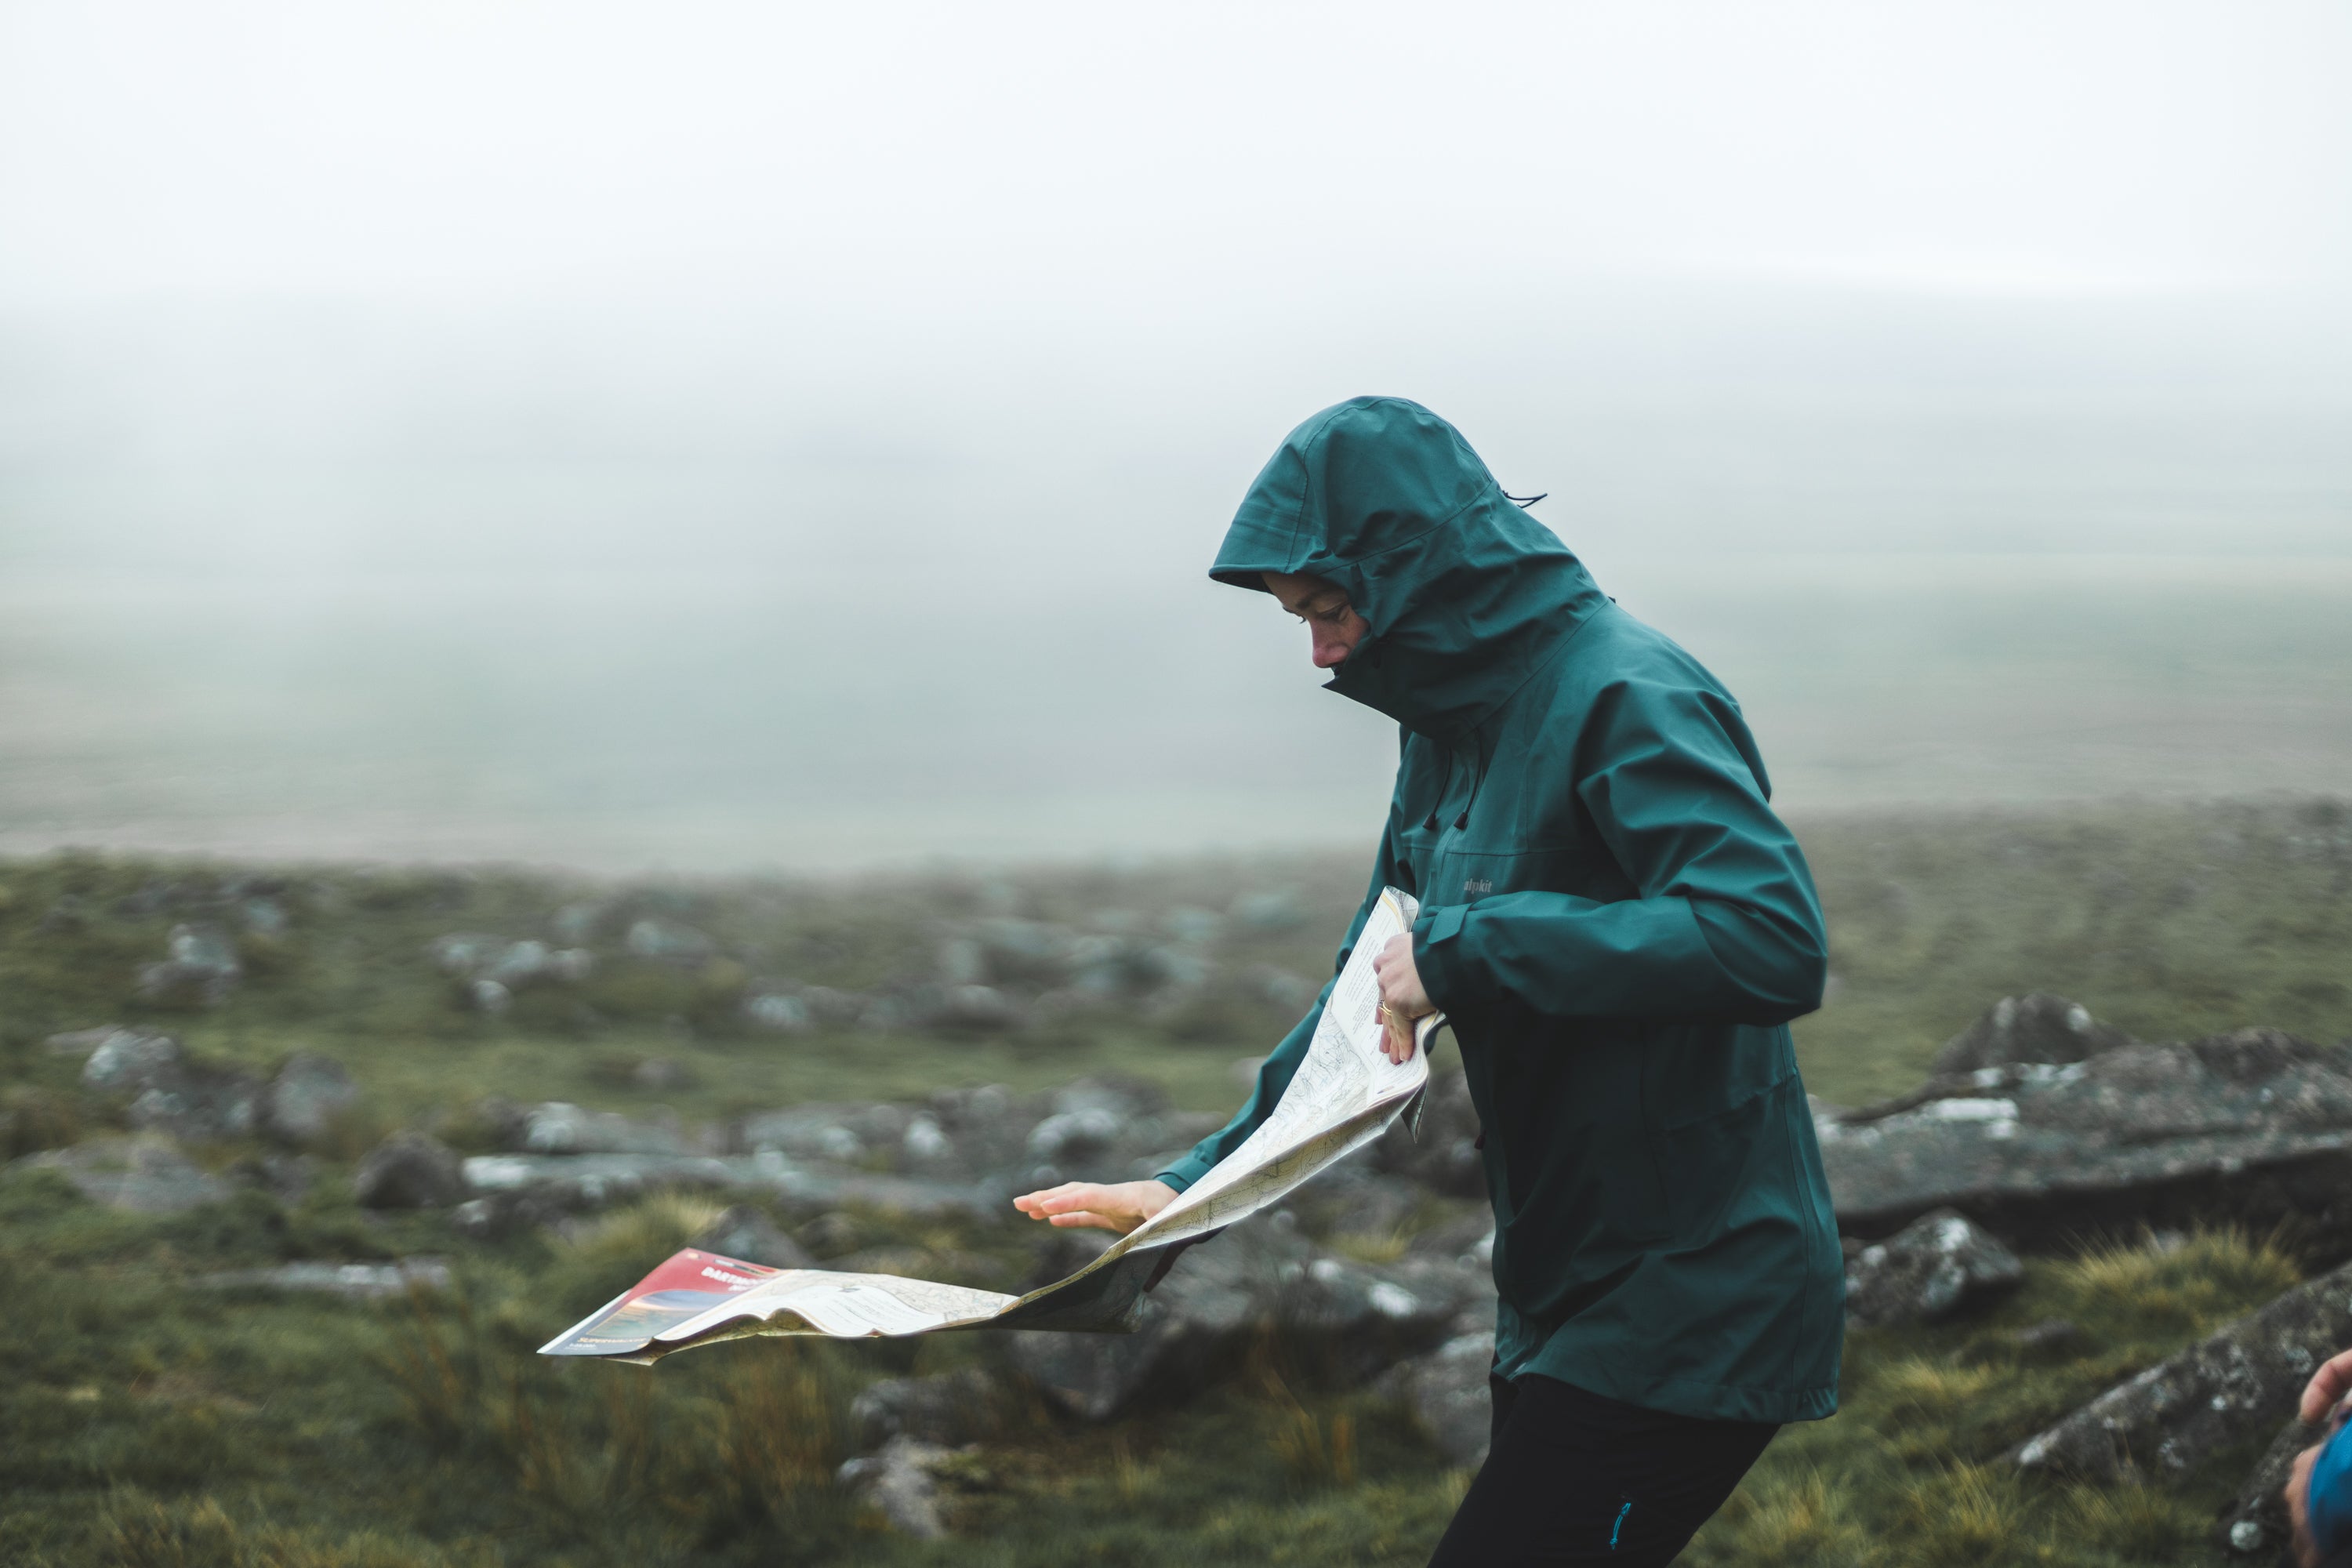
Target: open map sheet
<point x="1344" y="1095"/>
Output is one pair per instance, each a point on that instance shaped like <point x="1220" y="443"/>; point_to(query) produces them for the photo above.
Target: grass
<point x="144" y="1421"/>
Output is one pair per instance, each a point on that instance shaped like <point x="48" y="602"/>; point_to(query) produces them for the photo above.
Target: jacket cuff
<point x="1180" y="1175"/>
<point x="1437" y="952"/>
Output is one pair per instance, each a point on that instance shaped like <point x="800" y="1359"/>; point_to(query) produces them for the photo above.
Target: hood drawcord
<point x="1522" y="503"/>
<point x="1478" y="779"/>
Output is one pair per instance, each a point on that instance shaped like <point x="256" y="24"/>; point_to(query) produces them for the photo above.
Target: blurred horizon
<point x="791" y="440"/>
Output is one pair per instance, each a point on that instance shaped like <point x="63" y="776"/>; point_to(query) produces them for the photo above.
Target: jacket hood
<point x="1465" y="593"/>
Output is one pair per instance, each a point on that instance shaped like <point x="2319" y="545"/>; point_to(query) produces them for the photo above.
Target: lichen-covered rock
<point x="949" y="1410"/>
<point x="901" y="1483"/>
<point x="2226" y="1388"/>
<point x="747" y="1233"/>
<point x="305" y="1099"/>
<point x="2034" y="1029"/>
<point x="409" y="1170"/>
<point x="1448" y="1394"/>
<point x="1931" y="1268"/>
<point x="2252" y="1127"/>
<point x="200" y="968"/>
<point x="145" y="1174"/>
<point x="170" y="1091"/>
<point x="2256" y="1524"/>
<point x="1254" y="1278"/>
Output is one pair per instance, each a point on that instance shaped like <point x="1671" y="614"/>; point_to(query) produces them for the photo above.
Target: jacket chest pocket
<point x="1449" y="871"/>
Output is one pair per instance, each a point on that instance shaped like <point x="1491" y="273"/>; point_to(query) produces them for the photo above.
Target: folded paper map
<point x="1344" y="1095"/>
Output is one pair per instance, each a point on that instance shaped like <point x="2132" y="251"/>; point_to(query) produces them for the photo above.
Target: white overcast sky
<point x="813" y="402"/>
<point x="1643" y="253"/>
<point x="965" y="152"/>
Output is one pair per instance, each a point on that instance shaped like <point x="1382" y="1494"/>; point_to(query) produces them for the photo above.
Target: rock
<point x="463" y="954"/>
<point x="1933" y="1267"/>
<point x="2034" y="1029"/>
<point x="557" y="1128"/>
<point x="2240" y="1381"/>
<point x="2256" y="1524"/>
<point x="353" y="1281"/>
<point x="146" y="1175"/>
<point x="1441" y="1152"/>
<point x="1448" y="1394"/>
<point x="748" y="1235"/>
<point x="577" y="924"/>
<point x="171" y="1092"/>
<point x="2250" y="1128"/>
<point x="200" y="969"/>
<point x="1254" y="1277"/>
<point x="974" y="1008"/>
<point x="902" y="1484"/>
<point x="660" y="1074"/>
<point x="1272" y="910"/>
<point x="309" y="1093"/>
<point x="409" y="1170"/>
<point x="522" y="964"/>
<point x="131" y="1059"/>
<point x="949" y="1410"/>
<point x="80" y="1042"/>
<point x="264" y="918"/>
<point x="489" y="996"/>
<point x="669" y="941"/>
<point x="778" y="1014"/>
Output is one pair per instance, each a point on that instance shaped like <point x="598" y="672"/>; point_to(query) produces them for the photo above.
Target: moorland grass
<point x="145" y="1420"/>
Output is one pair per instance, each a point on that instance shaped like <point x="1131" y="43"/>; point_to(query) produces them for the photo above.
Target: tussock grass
<point x="143" y="1422"/>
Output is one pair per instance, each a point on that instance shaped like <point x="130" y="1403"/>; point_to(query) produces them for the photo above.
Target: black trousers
<point x="1574" y="1478"/>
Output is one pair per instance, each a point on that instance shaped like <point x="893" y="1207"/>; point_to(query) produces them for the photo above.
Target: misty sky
<point x="663" y="375"/>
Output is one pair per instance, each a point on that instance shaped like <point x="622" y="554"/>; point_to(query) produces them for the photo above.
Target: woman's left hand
<point x="1402" y="998"/>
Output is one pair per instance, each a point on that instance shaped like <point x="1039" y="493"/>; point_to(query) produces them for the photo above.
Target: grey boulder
<point x="145" y="1174"/>
<point x="949" y="1410"/>
<point x="409" y="1170"/>
<point x="2250" y="1128"/>
<point x="2226" y="1388"/>
<point x="746" y="1232"/>
<point x="1931" y="1269"/>
<point x="309" y="1093"/>
<point x="1259" y="1277"/>
<point x="1448" y="1394"/>
<point x="200" y="968"/>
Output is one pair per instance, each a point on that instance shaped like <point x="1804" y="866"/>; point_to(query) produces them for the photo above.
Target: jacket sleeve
<point x="1724" y="926"/>
<point x="1275" y="1076"/>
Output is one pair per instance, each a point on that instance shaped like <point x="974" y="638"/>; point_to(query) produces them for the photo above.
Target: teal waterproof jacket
<point x="1616" y="925"/>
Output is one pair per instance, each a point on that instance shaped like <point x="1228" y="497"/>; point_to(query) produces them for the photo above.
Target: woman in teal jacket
<point x="1617" y="929"/>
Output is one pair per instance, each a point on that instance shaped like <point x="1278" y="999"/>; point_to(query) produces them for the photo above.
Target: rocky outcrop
<point x="947" y="1411"/>
<point x="2228" y="1388"/>
<point x="1932" y="1268"/>
<point x="351" y="1281"/>
<point x="200" y="969"/>
<point x="1260" y="1277"/>
<point x="409" y="1170"/>
<point x="2039" y="1027"/>
<point x="902" y="1484"/>
<point x="2256" y="1524"/>
<point x="747" y="1233"/>
<point x="167" y="1090"/>
<point x="2253" y="1127"/>
<point x="1448" y="1394"/>
<point x="305" y="1099"/>
<point x="145" y="1174"/>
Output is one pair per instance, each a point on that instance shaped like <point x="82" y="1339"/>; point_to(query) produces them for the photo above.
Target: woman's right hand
<point x="1118" y="1206"/>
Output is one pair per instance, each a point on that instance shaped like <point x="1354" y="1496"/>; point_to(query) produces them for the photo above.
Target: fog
<point x="744" y="437"/>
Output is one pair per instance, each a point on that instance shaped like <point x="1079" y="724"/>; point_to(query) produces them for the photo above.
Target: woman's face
<point x="1330" y="619"/>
